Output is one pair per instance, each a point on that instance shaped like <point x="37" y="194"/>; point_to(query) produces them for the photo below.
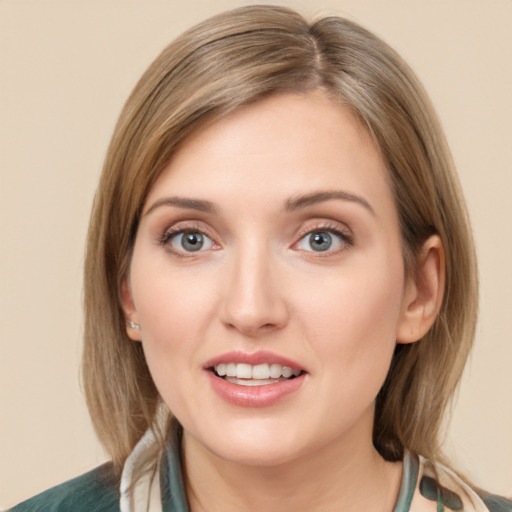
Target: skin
<point x="258" y="284"/>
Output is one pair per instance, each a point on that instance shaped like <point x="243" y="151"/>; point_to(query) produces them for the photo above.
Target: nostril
<point x="251" y="327"/>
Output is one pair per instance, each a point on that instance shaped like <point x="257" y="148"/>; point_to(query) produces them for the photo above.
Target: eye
<point x="187" y="241"/>
<point x="323" y="240"/>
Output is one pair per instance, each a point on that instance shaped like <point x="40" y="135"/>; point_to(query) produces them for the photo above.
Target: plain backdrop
<point x="66" y="67"/>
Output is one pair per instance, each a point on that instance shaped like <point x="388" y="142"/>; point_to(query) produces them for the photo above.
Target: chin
<point x="256" y="455"/>
<point x="252" y="446"/>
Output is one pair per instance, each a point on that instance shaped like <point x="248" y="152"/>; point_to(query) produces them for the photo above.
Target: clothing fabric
<point x="426" y="487"/>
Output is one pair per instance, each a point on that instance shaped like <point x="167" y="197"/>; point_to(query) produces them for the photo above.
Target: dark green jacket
<point x="97" y="491"/>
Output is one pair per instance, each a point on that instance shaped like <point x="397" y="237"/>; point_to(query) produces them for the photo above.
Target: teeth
<point x="243" y="371"/>
<point x="287" y="372"/>
<point x="231" y="370"/>
<point x="257" y="372"/>
<point x="276" y="371"/>
<point x="260" y="371"/>
<point x="251" y="382"/>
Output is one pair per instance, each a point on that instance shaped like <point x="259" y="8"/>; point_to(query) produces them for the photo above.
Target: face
<point x="268" y="281"/>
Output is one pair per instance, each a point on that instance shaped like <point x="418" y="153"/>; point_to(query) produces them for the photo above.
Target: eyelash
<point x="344" y="234"/>
<point x="171" y="232"/>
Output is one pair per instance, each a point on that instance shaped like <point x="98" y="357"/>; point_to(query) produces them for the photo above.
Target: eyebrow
<point x="184" y="202"/>
<point x="305" y="200"/>
<point x="293" y="204"/>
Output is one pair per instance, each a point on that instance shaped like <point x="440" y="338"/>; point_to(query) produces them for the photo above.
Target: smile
<point x="259" y="379"/>
<point x="244" y="374"/>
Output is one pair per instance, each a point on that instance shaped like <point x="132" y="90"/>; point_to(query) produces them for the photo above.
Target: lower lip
<point x="254" y="396"/>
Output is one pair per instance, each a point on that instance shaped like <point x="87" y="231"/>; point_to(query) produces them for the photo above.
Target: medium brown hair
<point x="234" y="59"/>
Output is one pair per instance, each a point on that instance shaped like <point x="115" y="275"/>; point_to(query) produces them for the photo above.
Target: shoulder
<point x="442" y="485"/>
<point x="95" y="491"/>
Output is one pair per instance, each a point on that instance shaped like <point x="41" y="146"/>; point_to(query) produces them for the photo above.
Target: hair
<point x="235" y="59"/>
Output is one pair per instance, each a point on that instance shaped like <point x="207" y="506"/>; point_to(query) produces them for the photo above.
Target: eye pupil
<point x="321" y="241"/>
<point x="192" y="241"/>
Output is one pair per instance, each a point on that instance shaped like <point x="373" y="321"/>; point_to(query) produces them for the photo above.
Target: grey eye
<point x="321" y="241"/>
<point x="191" y="241"/>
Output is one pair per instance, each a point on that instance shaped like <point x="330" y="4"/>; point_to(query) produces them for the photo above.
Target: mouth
<point x="264" y="374"/>
<point x="259" y="379"/>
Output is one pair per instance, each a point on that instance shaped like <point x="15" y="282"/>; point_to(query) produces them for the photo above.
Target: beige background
<point x="66" y="67"/>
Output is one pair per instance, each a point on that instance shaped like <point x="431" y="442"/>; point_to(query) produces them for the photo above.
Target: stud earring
<point x="133" y="325"/>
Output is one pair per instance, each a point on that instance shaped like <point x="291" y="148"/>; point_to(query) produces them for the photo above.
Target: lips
<point x="254" y="380"/>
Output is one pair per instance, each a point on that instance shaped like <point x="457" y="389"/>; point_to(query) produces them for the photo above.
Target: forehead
<point x="282" y="146"/>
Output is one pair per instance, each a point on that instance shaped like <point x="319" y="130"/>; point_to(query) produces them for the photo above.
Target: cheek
<point x="172" y="316"/>
<point x="172" y="309"/>
<point x="352" y="319"/>
<point x="172" y="306"/>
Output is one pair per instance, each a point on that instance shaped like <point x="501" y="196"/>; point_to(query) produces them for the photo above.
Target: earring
<point x="133" y="325"/>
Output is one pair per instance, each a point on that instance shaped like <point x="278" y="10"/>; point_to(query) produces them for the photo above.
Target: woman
<point x="279" y="255"/>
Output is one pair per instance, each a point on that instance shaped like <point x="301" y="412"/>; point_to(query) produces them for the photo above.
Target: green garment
<point x="423" y="483"/>
<point x="95" y="491"/>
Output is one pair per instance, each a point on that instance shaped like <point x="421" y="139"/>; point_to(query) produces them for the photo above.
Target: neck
<point x="342" y="475"/>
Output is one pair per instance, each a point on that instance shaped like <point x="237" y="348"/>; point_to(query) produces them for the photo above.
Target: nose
<point x="253" y="295"/>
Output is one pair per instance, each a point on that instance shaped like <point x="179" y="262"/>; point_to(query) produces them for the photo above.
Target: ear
<point x="423" y="293"/>
<point x="130" y="312"/>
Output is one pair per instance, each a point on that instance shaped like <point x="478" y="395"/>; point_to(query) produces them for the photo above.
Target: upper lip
<point x="253" y="359"/>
